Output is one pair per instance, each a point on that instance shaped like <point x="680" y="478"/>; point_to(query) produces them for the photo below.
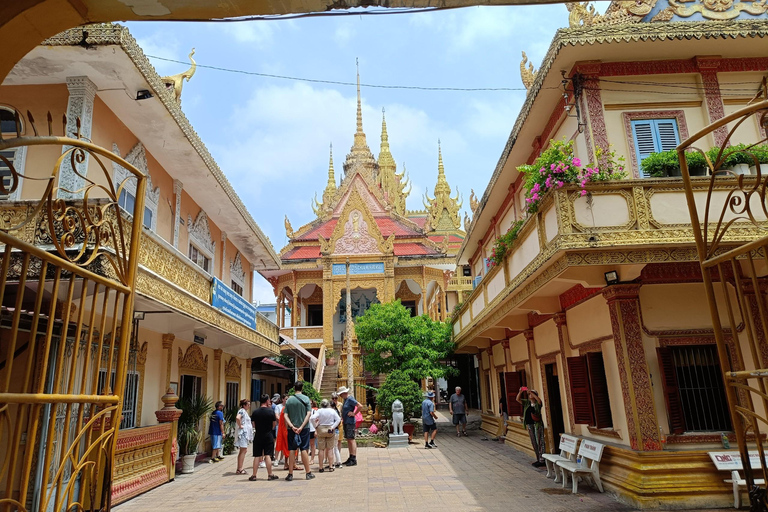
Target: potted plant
<point x="398" y="386"/>
<point x="738" y="159"/>
<point x="330" y="357"/>
<point x="193" y="410"/>
<point x="230" y="425"/>
<point x="661" y="165"/>
<point x="697" y="163"/>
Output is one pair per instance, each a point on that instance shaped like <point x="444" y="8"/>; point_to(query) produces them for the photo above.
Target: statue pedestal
<point x="398" y="441"/>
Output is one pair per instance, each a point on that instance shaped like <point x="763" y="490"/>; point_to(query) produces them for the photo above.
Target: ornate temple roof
<point x="370" y="202"/>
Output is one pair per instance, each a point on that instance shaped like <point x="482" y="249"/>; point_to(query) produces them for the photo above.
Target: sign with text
<point x="340" y="269"/>
<point x="231" y="304"/>
<point x="730" y="461"/>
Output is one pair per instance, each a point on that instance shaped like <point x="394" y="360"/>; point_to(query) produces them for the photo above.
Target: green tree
<point x="309" y="390"/>
<point x="398" y="386"/>
<point x="393" y="340"/>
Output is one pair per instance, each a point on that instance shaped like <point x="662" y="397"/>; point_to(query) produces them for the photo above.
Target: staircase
<point x="328" y="384"/>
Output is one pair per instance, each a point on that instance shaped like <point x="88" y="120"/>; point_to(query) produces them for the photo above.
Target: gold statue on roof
<point x="176" y="82"/>
<point x="392" y="184"/>
<point x="473" y="202"/>
<point x="527" y="75"/>
<point x="288" y="228"/>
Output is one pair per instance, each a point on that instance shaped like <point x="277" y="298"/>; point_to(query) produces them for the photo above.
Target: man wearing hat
<point x="428" y="418"/>
<point x="348" y="412"/>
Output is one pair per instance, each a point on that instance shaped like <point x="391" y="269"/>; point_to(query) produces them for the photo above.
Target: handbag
<point x="535" y="417"/>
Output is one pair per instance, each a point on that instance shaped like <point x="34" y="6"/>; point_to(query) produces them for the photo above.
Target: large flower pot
<point x="188" y="464"/>
<point x="409" y="428"/>
<point x="740" y="169"/>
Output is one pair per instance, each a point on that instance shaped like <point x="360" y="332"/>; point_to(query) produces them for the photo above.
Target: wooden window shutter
<point x="599" y="386"/>
<point x="512" y="382"/>
<point x="666" y="130"/>
<point x="671" y="393"/>
<point x="581" y="400"/>
<point x="645" y="141"/>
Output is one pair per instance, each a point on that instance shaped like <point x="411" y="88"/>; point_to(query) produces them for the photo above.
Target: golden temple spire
<point x="391" y="183"/>
<point x="329" y="194"/>
<point x="331" y="173"/>
<point x="360" y="156"/>
<point x="443" y="209"/>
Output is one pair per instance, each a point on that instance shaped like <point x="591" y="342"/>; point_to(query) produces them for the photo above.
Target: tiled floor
<point x="462" y="474"/>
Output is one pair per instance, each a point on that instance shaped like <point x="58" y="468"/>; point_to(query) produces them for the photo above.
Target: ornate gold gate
<point x="69" y="263"/>
<point x="735" y="275"/>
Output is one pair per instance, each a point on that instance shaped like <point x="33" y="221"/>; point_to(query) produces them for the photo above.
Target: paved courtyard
<point x="462" y="474"/>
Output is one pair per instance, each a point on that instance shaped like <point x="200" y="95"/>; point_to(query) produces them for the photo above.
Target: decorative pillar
<point x="492" y="393"/>
<point x="642" y="424"/>
<point x="715" y="110"/>
<point x="247" y="377"/>
<point x="170" y="414"/>
<point x="294" y="310"/>
<point x="217" y="373"/>
<point x="532" y="362"/>
<point x="350" y="368"/>
<point x="82" y="92"/>
<point x="507" y="356"/>
<point x="177" y="187"/>
<point x="168" y="348"/>
<point x="329" y="303"/>
<point x="562" y="334"/>
<point x="590" y="85"/>
<point x="223" y="254"/>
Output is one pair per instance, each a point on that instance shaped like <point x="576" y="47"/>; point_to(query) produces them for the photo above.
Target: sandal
<point x="321" y="470"/>
<point x="273" y="477"/>
<point x="329" y="469"/>
<point x="241" y="472"/>
<point x="252" y="478"/>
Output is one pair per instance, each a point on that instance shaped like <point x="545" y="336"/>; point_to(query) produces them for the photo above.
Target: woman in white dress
<point x="243" y="433"/>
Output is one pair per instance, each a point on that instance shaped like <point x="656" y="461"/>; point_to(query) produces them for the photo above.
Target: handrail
<point x="319" y="371"/>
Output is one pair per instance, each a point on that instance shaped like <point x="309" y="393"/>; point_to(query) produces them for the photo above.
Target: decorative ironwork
<point x="737" y="268"/>
<point x="62" y="304"/>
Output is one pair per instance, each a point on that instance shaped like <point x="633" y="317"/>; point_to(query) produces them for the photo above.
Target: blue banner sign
<point x="340" y="269"/>
<point x="231" y="304"/>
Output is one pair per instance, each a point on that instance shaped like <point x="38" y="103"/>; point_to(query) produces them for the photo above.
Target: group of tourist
<point x="286" y="428"/>
<point x="457" y="407"/>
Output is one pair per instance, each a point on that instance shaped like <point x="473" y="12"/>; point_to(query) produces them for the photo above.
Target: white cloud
<point x="489" y="119"/>
<point x="259" y="33"/>
<point x="343" y="34"/>
<point x="167" y="47"/>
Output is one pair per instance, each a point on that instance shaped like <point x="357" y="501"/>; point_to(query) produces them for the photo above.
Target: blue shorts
<point x="215" y="442"/>
<point x="299" y="441"/>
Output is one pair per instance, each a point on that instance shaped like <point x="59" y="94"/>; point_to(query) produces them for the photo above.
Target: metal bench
<point x="567" y="453"/>
<point x="731" y="461"/>
<point x="591" y="451"/>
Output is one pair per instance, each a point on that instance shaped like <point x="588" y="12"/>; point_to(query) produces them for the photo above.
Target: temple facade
<point x="394" y="253"/>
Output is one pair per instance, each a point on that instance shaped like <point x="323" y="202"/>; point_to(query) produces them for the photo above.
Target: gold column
<point x="294" y="311"/>
<point x="350" y="370"/>
<point x="168" y="348"/>
<point x="642" y="423"/>
<point x="248" y="377"/>
<point x="532" y="361"/>
<point x="562" y="332"/>
<point x="424" y="289"/>
<point x="217" y="374"/>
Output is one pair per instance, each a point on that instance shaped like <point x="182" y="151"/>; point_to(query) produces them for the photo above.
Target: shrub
<point x="310" y="391"/>
<point x="661" y="165"/>
<point x="504" y="243"/>
<point x="193" y="410"/>
<point x="398" y="386"/>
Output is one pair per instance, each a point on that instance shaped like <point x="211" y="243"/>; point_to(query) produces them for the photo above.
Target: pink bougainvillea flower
<point x="552" y="167"/>
<point x="559" y="184"/>
<point x="576" y="162"/>
<point x="583" y="192"/>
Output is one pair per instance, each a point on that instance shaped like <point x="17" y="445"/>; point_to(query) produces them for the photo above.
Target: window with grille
<point x="654" y="136"/>
<point x="198" y="258"/>
<point x="127" y="202"/>
<point x="589" y="390"/>
<point x="233" y="391"/>
<point x="130" y="395"/>
<point x="190" y="385"/>
<point x="693" y="389"/>
<point x="237" y="288"/>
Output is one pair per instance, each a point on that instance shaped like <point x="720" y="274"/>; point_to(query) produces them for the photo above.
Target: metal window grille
<point x="233" y="390"/>
<point x="701" y="389"/>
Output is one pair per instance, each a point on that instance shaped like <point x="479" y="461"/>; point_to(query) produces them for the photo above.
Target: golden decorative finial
<point x="329" y="194"/>
<point x="443" y="210"/>
<point x="392" y="184"/>
<point x="473" y="202"/>
<point x="527" y="75"/>
<point x="176" y="82"/>
<point x="359" y="102"/>
<point x="288" y="229"/>
<point x="331" y="173"/>
<point x="360" y="156"/>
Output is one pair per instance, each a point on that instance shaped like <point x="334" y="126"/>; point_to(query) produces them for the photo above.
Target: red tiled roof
<point x="387" y="226"/>
<point x="270" y="362"/>
<point x="325" y="229"/>
<point x="303" y="253"/>
<point x="451" y="239"/>
<point x="413" y="249"/>
<point x="419" y="221"/>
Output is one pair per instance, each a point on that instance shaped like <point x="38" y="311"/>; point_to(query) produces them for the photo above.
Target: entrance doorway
<point x="554" y="403"/>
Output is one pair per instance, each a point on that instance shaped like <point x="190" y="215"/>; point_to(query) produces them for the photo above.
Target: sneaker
<point x="432" y="444"/>
<point x="351" y="462"/>
<point x="427" y="446"/>
<point x="465" y="434"/>
<point x="212" y="461"/>
<point x="338" y="465"/>
<point x="309" y="476"/>
<point x="262" y="464"/>
<point x="458" y="434"/>
<point x="289" y="478"/>
<point x="220" y="457"/>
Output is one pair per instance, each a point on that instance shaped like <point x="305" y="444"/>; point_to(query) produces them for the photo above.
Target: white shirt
<point x="311" y="420"/>
<point x="326" y="418"/>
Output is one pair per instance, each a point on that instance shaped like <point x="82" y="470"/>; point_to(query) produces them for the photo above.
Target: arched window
<point x="14" y="156"/>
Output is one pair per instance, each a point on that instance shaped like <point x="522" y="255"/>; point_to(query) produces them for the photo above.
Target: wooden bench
<point x="567" y="452"/>
<point x="731" y="461"/>
<point x="591" y="451"/>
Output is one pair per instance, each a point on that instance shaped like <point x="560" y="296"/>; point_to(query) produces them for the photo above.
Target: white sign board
<point x="568" y="443"/>
<point x="731" y="461"/>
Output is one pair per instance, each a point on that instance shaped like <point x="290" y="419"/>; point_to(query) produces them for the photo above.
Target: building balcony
<point x="165" y="276"/>
<point x="574" y="239"/>
<point x="460" y="284"/>
<point x="304" y="334"/>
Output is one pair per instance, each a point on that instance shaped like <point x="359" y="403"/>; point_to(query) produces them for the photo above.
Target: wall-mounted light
<point x="143" y="95"/>
<point x="611" y="277"/>
<point x="138" y="315"/>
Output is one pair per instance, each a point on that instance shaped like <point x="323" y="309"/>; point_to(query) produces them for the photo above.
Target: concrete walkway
<point x="465" y="474"/>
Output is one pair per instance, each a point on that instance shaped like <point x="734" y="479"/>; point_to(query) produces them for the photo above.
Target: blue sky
<point x="271" y="136"/>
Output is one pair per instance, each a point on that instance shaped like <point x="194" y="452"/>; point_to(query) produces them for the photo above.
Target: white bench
<point x="591" y="451"/>
<point x="567" y="452"/>
<point x="731" y="461"/>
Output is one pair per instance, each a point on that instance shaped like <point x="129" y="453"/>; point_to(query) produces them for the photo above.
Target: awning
<point x="299" y="351"/>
